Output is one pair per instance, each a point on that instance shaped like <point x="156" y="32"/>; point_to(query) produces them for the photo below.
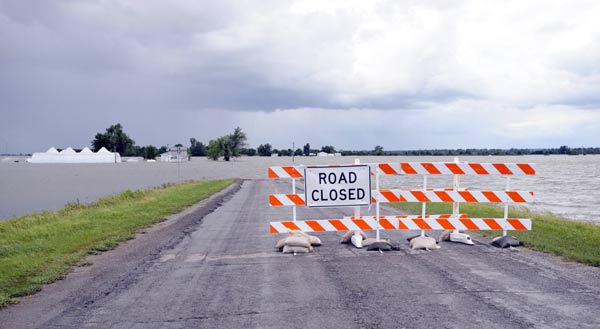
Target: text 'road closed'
<point x="338" y="186"/>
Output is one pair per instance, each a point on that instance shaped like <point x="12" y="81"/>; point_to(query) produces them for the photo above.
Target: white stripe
<point x="303" y="226"/>
<point x="443" y="168"/>
<point x="326" y="225"/>
<point x="350" y="225"/>
<point x="467" y="169"/>
<point x="279" y="227"/>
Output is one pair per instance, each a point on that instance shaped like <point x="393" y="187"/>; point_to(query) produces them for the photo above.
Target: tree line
<point x="234" y="145"/>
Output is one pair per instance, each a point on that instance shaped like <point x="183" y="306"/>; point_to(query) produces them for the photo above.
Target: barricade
<point x="456" y="195"/>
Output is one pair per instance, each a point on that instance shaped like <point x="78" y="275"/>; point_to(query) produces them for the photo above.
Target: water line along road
<point x="223" y="272"/>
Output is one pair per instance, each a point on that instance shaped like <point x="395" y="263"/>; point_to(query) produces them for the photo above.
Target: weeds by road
<point x="40" y="248"/>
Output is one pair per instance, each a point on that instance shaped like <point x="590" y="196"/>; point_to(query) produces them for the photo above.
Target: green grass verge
<point x="574" y="241"/>
<point x="40" y="248"/>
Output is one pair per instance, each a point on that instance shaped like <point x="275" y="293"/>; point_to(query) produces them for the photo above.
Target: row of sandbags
<point x="298" y="242"/>
<point x="418" y="242"/>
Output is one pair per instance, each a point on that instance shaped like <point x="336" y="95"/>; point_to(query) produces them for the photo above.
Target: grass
<point x="574" y="241"/>
<point x="40" y="248"/>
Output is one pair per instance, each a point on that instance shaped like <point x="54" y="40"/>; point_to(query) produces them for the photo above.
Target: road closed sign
<point x="338" y="186"/>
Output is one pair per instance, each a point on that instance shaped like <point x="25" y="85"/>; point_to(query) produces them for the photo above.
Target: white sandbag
<point x="298" y="233"/>
<point x="297" y="241"/>
<point x="314" y="241"/>
<point x="423" y="242"/>
<point x="295" y="249"/>
<point x="369" y="241"/>
<point x="281" y="243"/>
<point x="346" y="237"/>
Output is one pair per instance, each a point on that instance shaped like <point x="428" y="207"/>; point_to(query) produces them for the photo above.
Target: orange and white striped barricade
<point x="456" y="195"/>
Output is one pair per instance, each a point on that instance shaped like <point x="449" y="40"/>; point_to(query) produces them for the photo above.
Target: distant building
<point x="69" y="155"/>
<point x="322" y="154"/>
<point x="175" y="155"/>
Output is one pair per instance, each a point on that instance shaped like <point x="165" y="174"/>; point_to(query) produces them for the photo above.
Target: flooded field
<point x="566" y="185"/>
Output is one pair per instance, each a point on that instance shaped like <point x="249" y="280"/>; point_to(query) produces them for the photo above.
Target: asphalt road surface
<point x="219" y="269"/>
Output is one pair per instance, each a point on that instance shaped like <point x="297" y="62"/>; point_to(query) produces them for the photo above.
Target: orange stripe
<point x="387" y="169"/>
<point x="454" y="168"/>
<point x="492" y="223"/>
<point x="373" y="200"/>
<point x="338" y="225"/>
<point x="291" y="226"/>
<point x="274" y="202"/>
<point x="315" y="225"/>
<point x="422" y="224"/>
<point x="515" y="196"/>
<point x="420" y="196"/>
<point x="295" y="198"/>
<point x="292" y="171"/>
<point x="362" y="224"/>
<point x="443" y="196"/>
<point x="478" y="168"/>
<point x="491" y="196"/>
<point x="502" y="168"/>
<point x="527" y="169"/>
<point x="383" y="222"/>
<point x="467" y="196"/>
<point x="389" y="195"/>
<point x="272" y="174"/>
<point x="431" y="168"/>
<point x="517" y="224"/>
<point x="469" y="224"/>
<point x="446" y="224"/>
<point x="402" y="226"/>
<point x="272" y="229"/>
<point x="407" y="168"/>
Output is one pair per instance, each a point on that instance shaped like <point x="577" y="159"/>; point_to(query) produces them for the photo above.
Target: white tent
<point x="69" y="155"/>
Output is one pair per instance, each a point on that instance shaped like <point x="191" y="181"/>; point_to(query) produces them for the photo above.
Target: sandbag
<point x="369" y="241"/>
<point x="298" y="233"/>
<point x="281" y="243"/>
<point x="414" y="236"/>
<point x="346" y="237"/>
<point x="445" y="236"/>
<point x="423" y="242"/>
<point x="506" y="241"/>
<point x="297" y="241"/>
<point x="295" y="249"/>
<point x="314" y="241"/>
<point x="380" y="245"/>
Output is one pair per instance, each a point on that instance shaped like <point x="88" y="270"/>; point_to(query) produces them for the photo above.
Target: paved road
<point x="223" y="272"/>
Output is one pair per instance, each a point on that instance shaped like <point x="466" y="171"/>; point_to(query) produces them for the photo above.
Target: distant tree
<point x="197" y="149"/>
<point x="306" y="149"/>
<point x="328" y="149"/>
<point x="298" y="152"/>
<point x="264" y="150"/>
<point x="378" y="150"/>
<point x="114" y="139"/>
<point x="227" y="146"/>
<point x="248" y="151"/>
<point x="162" y="149"/>
<point x="563" y="149"/>
<point x="150" y="152"/>
<point x="216" y="147"/>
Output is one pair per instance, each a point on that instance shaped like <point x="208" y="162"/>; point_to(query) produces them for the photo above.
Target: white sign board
<point x="338" y="186"/>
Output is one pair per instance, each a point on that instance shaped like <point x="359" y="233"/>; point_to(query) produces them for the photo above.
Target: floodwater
<point x="568" y="186"/>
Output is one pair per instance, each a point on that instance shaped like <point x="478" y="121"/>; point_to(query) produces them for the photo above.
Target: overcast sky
<point x="353" y="74"/>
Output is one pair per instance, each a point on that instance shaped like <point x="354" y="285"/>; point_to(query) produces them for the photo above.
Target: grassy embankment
<point x="40" y="248"/>
<point x="574" y="241"/>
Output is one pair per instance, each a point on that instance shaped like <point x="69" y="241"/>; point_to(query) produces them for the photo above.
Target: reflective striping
<point x="391" y="196"/>
<point x="452" y="196"/>
<point x="451" y="168"/>
<point x="285" y="172"/>
<point x="329" y="225"/>
<point x="424" y="168"/>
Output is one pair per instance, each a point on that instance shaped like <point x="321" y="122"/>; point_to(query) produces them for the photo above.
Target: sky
<point x="353" y="74"/>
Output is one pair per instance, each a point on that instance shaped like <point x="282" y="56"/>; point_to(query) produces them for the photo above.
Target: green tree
<point x="215" y="148"/>
<point x="306" y="149"/>
<point x="114" y="139"/>
<point x="236" y="141"/>
<point x="328" y="149"/>
<point x="378" y="150"/>
<point x="197" y="149"/>
<point x="264" y="150"/>
<point x="150" y="152"/>
<point x="298" y="152"/>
